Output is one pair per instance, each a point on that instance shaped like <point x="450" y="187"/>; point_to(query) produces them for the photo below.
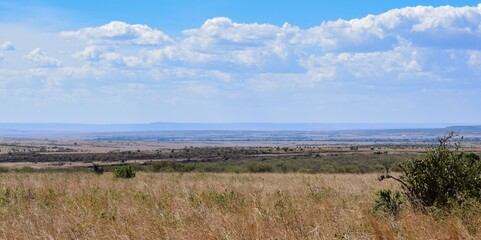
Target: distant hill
<point x="464" y="128"/>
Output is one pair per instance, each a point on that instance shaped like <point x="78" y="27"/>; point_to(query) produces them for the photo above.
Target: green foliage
<point x="388" y="202"/>
<point x="260" y="168"/>
<point x="124" y="172"/>
<point x="98" y="169"/>
<point x="442" y="176"/>
<point x="171" y="166"/>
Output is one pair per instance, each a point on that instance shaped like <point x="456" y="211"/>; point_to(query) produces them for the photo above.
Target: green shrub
<point x="388" y="202"/>
<point x="259" y="168"/>
<point x="171" y="166"/>
<point x="124" y="172"/>
<point x="441" y="177"/>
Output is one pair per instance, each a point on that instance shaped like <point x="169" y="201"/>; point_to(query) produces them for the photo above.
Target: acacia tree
<point x="442" y="176"/>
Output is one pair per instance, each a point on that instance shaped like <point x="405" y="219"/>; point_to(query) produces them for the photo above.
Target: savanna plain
<point x="49" y="190"/>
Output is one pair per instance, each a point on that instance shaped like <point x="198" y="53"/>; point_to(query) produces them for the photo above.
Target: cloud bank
<point x="419" y="50"/>
<point x="397" y="41"/>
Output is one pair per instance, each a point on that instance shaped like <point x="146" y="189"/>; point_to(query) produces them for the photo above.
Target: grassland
<point x="240" y="191"/>
<point x="83" y="205"/>
<point x="153" y="156"/>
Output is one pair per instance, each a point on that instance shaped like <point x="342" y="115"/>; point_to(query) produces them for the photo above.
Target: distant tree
<point x="98" y="169"/>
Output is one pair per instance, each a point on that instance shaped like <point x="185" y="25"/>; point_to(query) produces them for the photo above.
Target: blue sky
<point x="240" y="61"/>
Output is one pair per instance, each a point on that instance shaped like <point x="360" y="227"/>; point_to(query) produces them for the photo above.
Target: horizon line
<point x="254" y="122"/>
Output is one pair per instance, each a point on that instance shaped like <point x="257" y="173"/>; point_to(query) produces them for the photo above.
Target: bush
<point x="259" y="168"/>
<point x="124" y="172"/>
<point x="388" y="202"/>
<point x="98" y="169"/>
<point x="171" y="166"/>
<point x="441" y="177"/>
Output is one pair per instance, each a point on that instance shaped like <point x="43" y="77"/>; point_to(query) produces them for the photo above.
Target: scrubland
<point x="83" y="205"/>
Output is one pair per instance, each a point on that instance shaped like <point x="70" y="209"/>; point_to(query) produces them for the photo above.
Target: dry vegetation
<point x="213" y="206"/>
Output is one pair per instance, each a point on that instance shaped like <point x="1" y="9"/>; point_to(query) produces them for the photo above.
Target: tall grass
<point x="213" y="206"/>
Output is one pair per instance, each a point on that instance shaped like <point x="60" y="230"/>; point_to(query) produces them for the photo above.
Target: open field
<point x="213" y="206"/>
<point x="51" y="146"/>
<point x="201" y="157"/>
<point x="214" y="190"/>
<point x="238" y="157"/>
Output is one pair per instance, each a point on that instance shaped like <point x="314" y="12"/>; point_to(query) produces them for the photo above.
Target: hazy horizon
<point x="246" y="126"/>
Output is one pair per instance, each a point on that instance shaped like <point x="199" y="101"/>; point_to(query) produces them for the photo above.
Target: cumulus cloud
<point x="219" y="35"/>
<point x="222" y="43"/>
<point x="38" y="57"/>
<point x="223" y="31"/>
<point x="440" y="27"/>
<point x="90" y="53"/>
<point x="7" y="46"/>
<point x="405" y="52"/>
<point x="117" y="32"/>
<point x="117" y="60"/>
<point x="97" y="54"/>
<point x="407" y="42"/>
<point x="369" y="65"/>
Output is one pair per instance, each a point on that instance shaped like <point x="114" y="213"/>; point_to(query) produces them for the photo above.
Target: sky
<point x="240" y="61"/>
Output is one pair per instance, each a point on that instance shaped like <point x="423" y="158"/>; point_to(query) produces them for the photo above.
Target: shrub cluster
<point x="171" y="166"/>
<point x="260" y="168"/>
<point x="442" y="177"/>
<point x="388" y="202"/>
<point x="124" y="172"/>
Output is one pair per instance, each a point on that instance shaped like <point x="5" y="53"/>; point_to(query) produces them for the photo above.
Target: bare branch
<point x="386" y="176"/>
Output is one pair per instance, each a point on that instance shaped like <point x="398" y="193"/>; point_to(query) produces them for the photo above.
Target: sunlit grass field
<point x="214" y="206"/>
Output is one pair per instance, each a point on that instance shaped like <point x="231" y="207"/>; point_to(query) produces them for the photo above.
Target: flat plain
<point x="214" y="190"/>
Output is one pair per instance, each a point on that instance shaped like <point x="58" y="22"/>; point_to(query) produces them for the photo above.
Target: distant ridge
<point x="476" y="127"/>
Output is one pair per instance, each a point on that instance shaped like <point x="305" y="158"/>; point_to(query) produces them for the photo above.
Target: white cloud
<point x="219" y="35"/>
<point x="120" y="33"/>
<point x="38" y="57"/>
<point x="474" y="59"/>
<point x="7" y="46"/>
<point x="441" y="27"/>
<point x="224" y="63"/>
<point x="223" y="31"/>
<point x="117" y="60"/>
<point x="370" y="65"/>
<point x="2" y="58"/>
<point x="223" y="45"/>
<point x="398" y="44"/>
<point x="90" y="53"/>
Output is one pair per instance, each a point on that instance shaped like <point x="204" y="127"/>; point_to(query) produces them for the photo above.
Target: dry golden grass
<point x="212" y="206"/>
